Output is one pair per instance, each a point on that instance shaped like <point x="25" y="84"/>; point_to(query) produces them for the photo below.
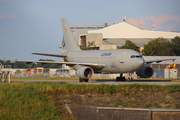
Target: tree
<point x="89" y="47"/>
<point x="129" y="45"/>
<point x="176" y="45"/>
<point x="19" y="65"/>
<point x="49" y="65"/>
<point x="18" y="72"/>
<point x="158" y="47"/>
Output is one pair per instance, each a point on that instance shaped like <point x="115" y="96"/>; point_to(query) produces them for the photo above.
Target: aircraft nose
<point x="140" y="62"/>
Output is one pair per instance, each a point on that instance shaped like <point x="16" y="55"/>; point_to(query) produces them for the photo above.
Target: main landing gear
<point x="121" y="78"/>
<point x="83" y="80"/>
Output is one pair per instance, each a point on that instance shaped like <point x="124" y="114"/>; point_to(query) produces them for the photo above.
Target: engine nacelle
<point x="84" y="72"/>
<point x="145" y="72"/>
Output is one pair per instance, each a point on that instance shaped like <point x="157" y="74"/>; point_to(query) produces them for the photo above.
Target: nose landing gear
<point x="130" y="79"/>
<point x="121" y="78"/>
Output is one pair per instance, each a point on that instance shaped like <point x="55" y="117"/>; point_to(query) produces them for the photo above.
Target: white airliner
<point x="88" y="62"/>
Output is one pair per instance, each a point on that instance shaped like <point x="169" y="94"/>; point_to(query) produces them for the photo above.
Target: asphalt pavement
<point x="158" y="82"/>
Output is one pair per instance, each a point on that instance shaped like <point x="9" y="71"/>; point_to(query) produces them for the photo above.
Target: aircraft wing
<point x="54" y="55"/>
<point x="93" y="65"/>
<point x="157" y="61"/>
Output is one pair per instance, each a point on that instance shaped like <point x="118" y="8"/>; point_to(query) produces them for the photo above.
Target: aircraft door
<point x="122" y="58"/>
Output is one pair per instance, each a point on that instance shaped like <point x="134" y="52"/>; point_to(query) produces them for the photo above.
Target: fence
<point x="82" y="112"/>
<point x="71" y="73"/>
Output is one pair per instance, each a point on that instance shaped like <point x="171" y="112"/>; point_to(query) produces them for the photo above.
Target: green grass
<point x="125" y="94"/>
<point x="31" y="100"/>
<point x="65" y="88"/>
<point x="27" y="101"/>
<point x="89" y="96"/>
<point x="171" y="91"/>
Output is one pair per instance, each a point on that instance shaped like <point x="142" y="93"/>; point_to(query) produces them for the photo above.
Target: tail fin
<point x="69" y="40"/>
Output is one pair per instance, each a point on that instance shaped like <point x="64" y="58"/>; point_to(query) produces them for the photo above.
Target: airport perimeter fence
<point x="99" y="76"/>
<point x="159" y="74"/>
<point x="84" y="112"/>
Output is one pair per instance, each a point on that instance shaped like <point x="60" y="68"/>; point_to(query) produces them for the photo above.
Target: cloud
<point x="11" y="16"/>
<point x="162" y="21"/>
<point x="14" y="16"/>
<point x="163" y="18"/>
<point x="139" y="22"/>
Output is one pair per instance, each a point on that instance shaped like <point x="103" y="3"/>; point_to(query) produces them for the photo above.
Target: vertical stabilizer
<point x="69" y="41"/>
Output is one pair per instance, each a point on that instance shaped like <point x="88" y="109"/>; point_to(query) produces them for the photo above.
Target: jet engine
<point x="145" y="72"/>
<point x="84" y="72"/>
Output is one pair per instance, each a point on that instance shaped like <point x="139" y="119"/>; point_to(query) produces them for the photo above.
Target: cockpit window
<point x="136" y="56"/>
<point x="132" y="56"/>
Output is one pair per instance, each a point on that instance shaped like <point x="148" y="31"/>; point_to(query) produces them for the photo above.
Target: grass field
<point x="27" y="100"/>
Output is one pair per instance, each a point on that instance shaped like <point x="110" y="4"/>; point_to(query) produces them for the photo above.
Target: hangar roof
<point x="126" y="30"/>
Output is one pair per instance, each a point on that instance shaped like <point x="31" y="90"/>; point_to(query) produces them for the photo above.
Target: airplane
<point x="88" y="62"/>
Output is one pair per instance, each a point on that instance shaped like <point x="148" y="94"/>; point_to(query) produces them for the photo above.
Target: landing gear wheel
<point x="130" y="79"/>
<point x="120" y="78"/>
<point x="117" y="79"/>
<point x="83" y="80"/>
<point x="86" y="80"/>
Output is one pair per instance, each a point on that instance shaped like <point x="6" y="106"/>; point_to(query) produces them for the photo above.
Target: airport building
<point x="111" y="35"/>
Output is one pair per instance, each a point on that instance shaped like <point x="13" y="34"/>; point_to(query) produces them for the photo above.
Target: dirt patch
<point x="131" y="99"/>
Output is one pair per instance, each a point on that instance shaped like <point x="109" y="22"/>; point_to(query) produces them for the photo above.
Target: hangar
<point x="113" y="35"/>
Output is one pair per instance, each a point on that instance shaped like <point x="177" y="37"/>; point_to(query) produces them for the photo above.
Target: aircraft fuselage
<point x="117" y="61"/>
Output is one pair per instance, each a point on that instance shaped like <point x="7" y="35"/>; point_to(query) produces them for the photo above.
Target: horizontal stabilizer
<point x="54" y="55"/>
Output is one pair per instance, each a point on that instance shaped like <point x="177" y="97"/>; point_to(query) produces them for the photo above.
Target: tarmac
<point x="150" y="82"/>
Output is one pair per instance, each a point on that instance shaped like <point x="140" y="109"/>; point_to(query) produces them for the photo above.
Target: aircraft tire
<point x="123" y="79"/>
<point x="81" y="80"/>
<point x="120" y="79"/>
<point x="117" y="79"/>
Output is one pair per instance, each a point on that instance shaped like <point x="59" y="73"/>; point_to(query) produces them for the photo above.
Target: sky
<point x="28" y="26"/>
